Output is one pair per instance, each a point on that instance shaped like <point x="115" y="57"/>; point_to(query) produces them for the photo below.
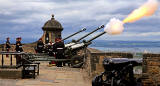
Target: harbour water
<point x="127" y="46"/>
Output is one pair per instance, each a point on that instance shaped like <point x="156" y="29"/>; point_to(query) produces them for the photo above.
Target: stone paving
<point x="52" y="76"/>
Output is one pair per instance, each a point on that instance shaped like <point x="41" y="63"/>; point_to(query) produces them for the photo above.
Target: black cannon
<point x="118" y="72"/>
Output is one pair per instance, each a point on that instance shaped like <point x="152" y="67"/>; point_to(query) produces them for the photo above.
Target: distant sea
<point x="127" y="46"/>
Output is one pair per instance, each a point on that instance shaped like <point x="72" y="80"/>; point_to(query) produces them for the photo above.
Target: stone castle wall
<point x="151" y="70"/>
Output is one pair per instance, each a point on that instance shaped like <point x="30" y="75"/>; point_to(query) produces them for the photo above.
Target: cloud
<point x="149" y="34"/>
<point x="30" y="15"/>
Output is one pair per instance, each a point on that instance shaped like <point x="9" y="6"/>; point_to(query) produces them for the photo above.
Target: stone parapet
<point x="151" y="70"/>
<point x="11" y="73"/>
<point x="95" y="58"/>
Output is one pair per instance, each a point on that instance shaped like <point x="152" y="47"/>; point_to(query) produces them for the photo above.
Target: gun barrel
<point x="96" y="36"/>
<point x="83" y="44"/>
<point x="69" y="44"/>
<point x="102" y="26"/>
<point x="77" y="46"/>
<point x="83" y="29"/>
<point x="120" y="63"/>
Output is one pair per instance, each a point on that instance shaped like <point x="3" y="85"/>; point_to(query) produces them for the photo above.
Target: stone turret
<point x="52" y="29"/>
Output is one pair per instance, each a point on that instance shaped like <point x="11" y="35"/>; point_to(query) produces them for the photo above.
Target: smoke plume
<point x="147" y="9"/>
<point x="114" y="27"/>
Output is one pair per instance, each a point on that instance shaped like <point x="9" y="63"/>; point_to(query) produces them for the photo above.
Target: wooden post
<point x="38" y="69"/>
<point x="2" y="60"/>
<point x="11" y="59"/>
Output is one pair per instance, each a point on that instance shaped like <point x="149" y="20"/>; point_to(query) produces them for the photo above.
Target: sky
<point x="26" y="18"/>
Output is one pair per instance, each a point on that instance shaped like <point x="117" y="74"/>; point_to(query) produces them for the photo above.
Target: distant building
<point x="52" y="29"/>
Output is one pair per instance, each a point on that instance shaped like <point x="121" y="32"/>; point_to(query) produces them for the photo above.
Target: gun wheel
<point x="97" y="81"/>
<point x="77" y="61"/>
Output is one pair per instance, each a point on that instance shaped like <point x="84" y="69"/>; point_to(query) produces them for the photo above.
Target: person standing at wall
<point x="19" y="45"/>
<point x="59" y="51"/>
<point x="18" y="49"/>
<point x="40" y="46"/>
<point x="7" y="45"/>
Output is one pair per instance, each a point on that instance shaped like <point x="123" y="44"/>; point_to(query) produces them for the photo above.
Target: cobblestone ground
<point x="52" y="76"/>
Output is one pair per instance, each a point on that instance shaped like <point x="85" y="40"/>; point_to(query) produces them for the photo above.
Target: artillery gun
<point x="78" y="40"/>
<point x="72" y="51"/>
<point x="118" y="72"/>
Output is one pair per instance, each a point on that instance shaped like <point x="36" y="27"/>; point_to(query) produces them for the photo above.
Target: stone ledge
<point x="10" y="73"/>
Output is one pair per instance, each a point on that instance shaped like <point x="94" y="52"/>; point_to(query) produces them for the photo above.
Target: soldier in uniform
<point x="40" y="46"/>
<point x="18" y="49"/>
<point x="51" y="52"/>
<point x="50" y="49"/>
<point x="7" y="46"/>
<point x="59" y="50"/>
<point x="19" y="45"/>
